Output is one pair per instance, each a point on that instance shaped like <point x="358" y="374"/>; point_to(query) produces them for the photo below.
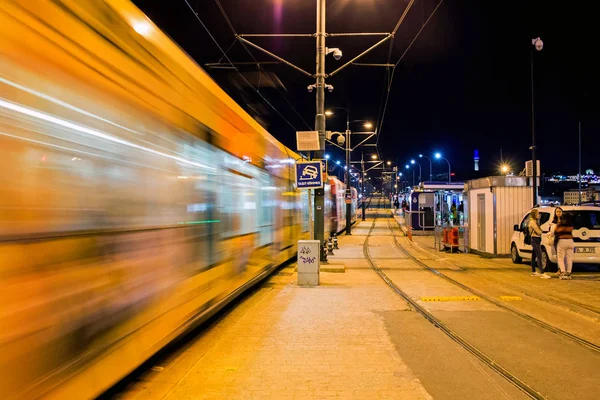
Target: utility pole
<point x="320" y="120"/>
<point x="319" y="85"/>
<point x="579" y="176"/>
<point x="538" y="45"/>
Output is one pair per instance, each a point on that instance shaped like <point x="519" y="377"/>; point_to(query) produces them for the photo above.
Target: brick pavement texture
<point x="326" y="342"/>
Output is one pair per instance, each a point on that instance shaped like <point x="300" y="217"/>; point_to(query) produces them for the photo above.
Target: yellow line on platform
<point x="451" y="298"/>
<point x="510" y="298"/>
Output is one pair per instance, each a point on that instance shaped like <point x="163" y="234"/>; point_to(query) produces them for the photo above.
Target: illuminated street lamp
<point x="438" y="156"/>
<point x="374" y="157"/>
<point x="389" y="163"/>
<point x="430" y="171"/>
<point x="414" y="162"/>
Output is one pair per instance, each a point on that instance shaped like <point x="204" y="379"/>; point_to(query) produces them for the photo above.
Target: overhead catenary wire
<point x="260" y="68"/>
<point x="231" y="63"/>
<point x="389" y="89"/>
<point x="387" y="69"/>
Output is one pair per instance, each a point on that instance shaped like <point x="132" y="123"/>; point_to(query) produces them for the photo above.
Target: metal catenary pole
<point x="319" y="224"/>
<point x="348" y="198"/>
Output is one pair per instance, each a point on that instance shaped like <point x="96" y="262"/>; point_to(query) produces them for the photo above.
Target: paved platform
<point x="353" y="337"/>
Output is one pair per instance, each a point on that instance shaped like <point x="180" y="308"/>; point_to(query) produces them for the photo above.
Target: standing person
<point x="454" y="213"/>
<point x="565" y="246"/>
<point x="551" y="237"/>
<point x="536" y="242"/>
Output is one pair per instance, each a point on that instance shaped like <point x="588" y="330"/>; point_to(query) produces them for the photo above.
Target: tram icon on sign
<point x="309" y="173"/>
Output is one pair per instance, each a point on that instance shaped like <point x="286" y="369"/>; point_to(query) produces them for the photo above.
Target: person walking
<point x="536" y="242"/>
<point x="565" y="245"/>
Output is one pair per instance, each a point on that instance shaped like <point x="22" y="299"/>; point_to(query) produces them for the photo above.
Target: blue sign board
<point x="309" y="174"/>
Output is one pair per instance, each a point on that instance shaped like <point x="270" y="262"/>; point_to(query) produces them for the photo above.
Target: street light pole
<point x="430" y="170"/>
<point x="319" y="214"/>
<point x="348" y="184"/>
<point x="362" y="176"/>
<point x="538" y="45"/>
<point x="439" y="156"/>
<point x="414" y="162"/>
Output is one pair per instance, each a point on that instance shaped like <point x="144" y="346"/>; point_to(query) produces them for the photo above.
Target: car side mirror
<point x="516" y="228"/>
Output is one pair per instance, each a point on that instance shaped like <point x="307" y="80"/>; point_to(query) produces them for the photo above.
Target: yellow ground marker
<point x="510" y="298"/>
<point x="451" y="298"/>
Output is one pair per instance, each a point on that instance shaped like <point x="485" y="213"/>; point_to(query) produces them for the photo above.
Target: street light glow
<point x="338" y="162"/>
<point x="374" y="156"/>
<point x="400" y="174"/>
<point x="389" y="163"/>
<point x="407" y="166"/>
<point x="438" y="155"/>
<point x="329" y="113"/>
<point x="327" y="156"/>
<point x="368" y="125"/>
<point x="412" y="161"/>
<point x="420" y="155"/>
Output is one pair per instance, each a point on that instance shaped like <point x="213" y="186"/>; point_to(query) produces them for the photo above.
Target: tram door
<point x="481" y="222"/>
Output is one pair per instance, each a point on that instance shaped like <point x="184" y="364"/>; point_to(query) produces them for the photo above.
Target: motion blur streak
<point x="136" y="197"/>
<point x="62" y="103"/>
<point x="92" y="132"/>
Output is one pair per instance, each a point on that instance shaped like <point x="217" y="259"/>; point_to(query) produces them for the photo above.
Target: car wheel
<point x="546" y="264"/>
<point x="514" y="254"/>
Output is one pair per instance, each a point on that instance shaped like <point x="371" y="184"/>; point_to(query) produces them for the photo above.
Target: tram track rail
<point x="513" y="379"/>
<point x="570" y="304"/>
<point x="583" y="342"/>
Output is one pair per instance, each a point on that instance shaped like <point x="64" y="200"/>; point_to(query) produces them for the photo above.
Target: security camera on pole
<point x="320" y="86"/>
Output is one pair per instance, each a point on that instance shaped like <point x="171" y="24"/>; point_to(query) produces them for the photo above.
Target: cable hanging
<point x="233" y="66"/>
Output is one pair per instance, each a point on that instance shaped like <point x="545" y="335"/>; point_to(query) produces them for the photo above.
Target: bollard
<point x="335" y="242"/>
<point x="329" y="247"/>
<point x="324" y="254"/>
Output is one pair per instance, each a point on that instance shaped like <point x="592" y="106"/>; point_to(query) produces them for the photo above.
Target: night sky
<point x="465" y="84"/>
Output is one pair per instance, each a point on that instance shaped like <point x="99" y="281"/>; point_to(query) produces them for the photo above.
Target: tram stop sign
<point x="309" y="174"/>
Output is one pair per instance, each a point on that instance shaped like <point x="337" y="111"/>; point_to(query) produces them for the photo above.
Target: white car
<point x="586" y="236"/>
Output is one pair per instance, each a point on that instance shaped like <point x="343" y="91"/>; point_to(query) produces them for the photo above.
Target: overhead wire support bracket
<point x="275" y="56"/>
<point x="389" y="36"/>
<point x="359" y="34"/>
<point x="277" y="35"/>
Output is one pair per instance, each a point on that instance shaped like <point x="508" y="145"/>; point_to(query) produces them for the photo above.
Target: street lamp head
<point x="374" y="156"/>
<point x="407" y="166"/>
<point x="338" y="162"/>
<point x="329" y="113"/>
<point x="438" y="155"/>
<point x="368" y="125"/>
<point x="389" y="163"/>
<point x="327" y="156"/>
<point x="400" y="174"/>
<point x="412" y="161"/>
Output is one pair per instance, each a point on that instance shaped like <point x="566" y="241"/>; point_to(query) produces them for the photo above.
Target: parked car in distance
<point x="586" y="235"/>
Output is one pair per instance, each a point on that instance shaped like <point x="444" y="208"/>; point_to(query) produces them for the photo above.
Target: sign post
<point x="309" y="175"/>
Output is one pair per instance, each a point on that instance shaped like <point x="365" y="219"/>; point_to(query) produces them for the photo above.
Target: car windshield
<point x="586" y="219"/>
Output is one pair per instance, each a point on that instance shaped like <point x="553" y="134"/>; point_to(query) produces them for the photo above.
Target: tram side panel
<point x="121" y="224"/>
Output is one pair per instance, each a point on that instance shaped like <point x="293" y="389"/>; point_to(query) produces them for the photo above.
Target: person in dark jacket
<point x="536" y="242"/>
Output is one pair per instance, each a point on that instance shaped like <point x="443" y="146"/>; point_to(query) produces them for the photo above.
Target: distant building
<point x="572" y="196"/>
